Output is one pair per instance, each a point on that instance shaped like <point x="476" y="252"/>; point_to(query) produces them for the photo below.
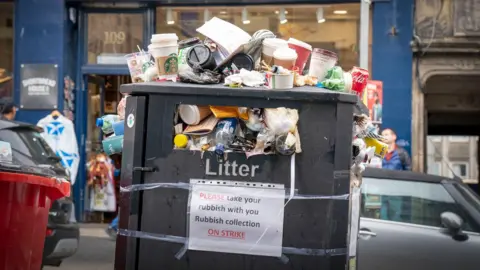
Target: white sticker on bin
<point x="236" y="219"/>
<point x="130" y="120"/>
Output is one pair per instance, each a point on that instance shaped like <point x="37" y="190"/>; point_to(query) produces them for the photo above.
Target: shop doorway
<point x="102" y="98"/>
<point x="446" y="125"/>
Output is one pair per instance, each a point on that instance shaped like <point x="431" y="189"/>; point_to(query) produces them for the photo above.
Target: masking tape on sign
<point x="183" y="250"/>
<point x="186" y="186"/>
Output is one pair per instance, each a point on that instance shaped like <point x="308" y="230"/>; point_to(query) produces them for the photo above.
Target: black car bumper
<point x="61" y="244"/>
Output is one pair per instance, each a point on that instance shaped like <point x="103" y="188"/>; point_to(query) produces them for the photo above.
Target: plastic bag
<point x="255" y="119"/>
<point x="334" y="79"/>
<point x="281" y="120"/>
<point x="200" y="76"/>
<point x="265" y="143"/>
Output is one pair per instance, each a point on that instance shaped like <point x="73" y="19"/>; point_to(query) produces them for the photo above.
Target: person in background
<point x="396" y="158"/>
<point x="113" y="228"/>
<point x="8" y="112"/>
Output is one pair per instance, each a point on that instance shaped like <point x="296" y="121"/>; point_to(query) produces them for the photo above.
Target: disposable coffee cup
<point x="322" y="60"/>
<point x="303" y="51"/>
<point x="280" y="81"/>
<point x="285" y="57"/>
<point x="135" y="62"/>
<point x="269" y="46"/>
<point x="164" y="49"/>
<point x="193" y="114"/>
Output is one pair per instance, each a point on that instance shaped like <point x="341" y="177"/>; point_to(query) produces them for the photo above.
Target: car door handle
<point x="366" y="233"/>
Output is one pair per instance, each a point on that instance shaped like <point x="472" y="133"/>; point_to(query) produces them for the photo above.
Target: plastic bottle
<point x="225" y="134"/>
<point x="106" y="122"/>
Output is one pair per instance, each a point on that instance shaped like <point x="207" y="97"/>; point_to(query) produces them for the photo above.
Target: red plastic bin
<point x="25" y="201"/>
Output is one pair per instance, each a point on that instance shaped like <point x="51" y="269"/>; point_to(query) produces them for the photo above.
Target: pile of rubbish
<point x="231" y="56"/>
<point x="113" y="126"/>
<point x="366" y="144"/>
<point x="225" y="129"/>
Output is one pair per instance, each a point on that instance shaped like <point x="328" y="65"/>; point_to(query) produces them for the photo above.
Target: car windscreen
<point x="471" y="197"/>
<point x="28" y="146"/>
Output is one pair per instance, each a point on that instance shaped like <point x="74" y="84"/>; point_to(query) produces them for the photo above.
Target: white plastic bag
<point x="281" y="120"/>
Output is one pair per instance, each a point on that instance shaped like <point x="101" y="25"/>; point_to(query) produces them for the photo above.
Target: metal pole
<point x="364" y="32"/>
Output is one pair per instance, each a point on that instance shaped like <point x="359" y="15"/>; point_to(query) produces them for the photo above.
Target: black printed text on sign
<point x="239" y="220"/>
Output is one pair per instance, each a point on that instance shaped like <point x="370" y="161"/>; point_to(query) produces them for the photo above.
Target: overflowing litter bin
<point x="190" y="208"/>
<point x="26" y="194"/>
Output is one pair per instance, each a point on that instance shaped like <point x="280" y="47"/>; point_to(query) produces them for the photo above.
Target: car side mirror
<point x="452" y="222"/>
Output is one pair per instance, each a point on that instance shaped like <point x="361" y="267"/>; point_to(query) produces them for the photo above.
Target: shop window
<point x="335" y="32"/>
<point x="112" y="36"/>
<point x="6" y="50"/>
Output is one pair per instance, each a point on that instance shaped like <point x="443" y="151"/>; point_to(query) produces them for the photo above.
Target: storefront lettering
<point x="39" y="86"/>
<point x="231" y="169"/>
<point x="115" y="38"/>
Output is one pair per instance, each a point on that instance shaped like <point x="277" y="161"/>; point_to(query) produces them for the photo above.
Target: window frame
<point x="458" y="139"/>
<point x="467" y="169"/>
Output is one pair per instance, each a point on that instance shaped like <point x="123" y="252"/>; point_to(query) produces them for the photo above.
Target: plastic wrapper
<point x="281" y="120"/>
<point x="255" y="119"/>
<point x="334" y="79"/>
<point x="200" y="76"/>
<point x="265" y="143"/>
<point x="121" y="107"/>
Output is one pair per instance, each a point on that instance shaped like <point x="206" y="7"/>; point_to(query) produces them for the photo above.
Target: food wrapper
<point x="229" y="112"/>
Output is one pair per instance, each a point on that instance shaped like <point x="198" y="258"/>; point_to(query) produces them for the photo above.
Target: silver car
<point x="417" y="222"/>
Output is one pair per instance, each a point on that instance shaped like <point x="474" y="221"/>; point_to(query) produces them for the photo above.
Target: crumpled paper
<point x="245" y="77"/>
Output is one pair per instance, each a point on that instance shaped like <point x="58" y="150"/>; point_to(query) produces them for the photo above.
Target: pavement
<point x="96" y="250"/>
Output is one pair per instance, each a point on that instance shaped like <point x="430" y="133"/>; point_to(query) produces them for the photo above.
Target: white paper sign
<point x="236" y="219"/>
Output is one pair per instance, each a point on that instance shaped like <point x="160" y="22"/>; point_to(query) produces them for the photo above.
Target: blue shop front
<point x="86" y="42"/>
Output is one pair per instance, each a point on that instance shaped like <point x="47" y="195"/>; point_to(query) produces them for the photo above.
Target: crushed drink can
<point x="360" y="77"/>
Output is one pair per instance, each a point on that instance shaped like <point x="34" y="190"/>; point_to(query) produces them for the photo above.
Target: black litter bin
<point x="156" y="223"/>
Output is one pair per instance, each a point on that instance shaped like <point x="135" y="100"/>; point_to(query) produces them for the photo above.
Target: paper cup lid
<point x="189" y="114"/>
<point x="285" y="54"/>
<point x="300" y="43"/>
<point x="275" y="42"/>
<point x="164" y="38"/>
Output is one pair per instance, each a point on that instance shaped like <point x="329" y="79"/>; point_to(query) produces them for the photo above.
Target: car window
<point x="28" y="146"/>
<point x="407" y="201"/>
